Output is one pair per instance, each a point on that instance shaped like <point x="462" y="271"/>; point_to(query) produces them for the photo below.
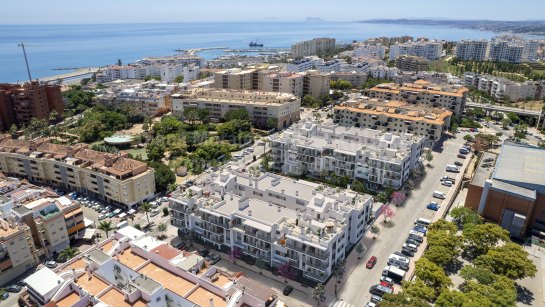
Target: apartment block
<point x="394" y="116"/>
<point x="20" y="103"/>
<point x="501" y="88"/>
<point x="364" y="50"/>
<point x="380" y="159"/>
<point x="430" y="50"/>
<point x="304" y="64"/>
<point x="315" y="46"/>
<point x="316" y="84"/>
<point x="283" y="82"/>
<point x="283" y="108"/>
<point x="472" y="50"/>
<point x="355" y="78"/>
<point x="412" y="63"/>
<point x="113" y="178"/>
<point x="16" y="247"/>
<point x="279" y="220"/>
<point x="450" y="97"/>
<point x="133" y="269"/>
<point x="150" y="98"/>
<point x="328" y="66"/>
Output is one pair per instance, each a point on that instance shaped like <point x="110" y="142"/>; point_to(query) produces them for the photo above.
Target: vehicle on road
<point x="453" y="169"/>
<point x="395" y="273"/>
<point x="446" y="183"/>
<point x="411" y="241"/>
<point x="422" y="221"/>
<point x="5" y="296"/>
<point x="439" y="194"/>
<point x="416" y="236"/>
<point x="51" y="264"/>
<point x="421" y="229"/>
<point x="380" y="290"/>
<point x="371" y="262"/>
<point x="287" y="290"/>
<point x="102" y="216"/>
<point x="204" y="252"/>
<point x="433" y="206"/>
<point x="13" y="288"/>
<point x="375" y="299"/>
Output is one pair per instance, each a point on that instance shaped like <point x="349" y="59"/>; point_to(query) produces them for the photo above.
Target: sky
<point x="143" y="11"/>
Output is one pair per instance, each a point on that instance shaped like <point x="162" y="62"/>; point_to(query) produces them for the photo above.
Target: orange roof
<point x="131" y="259"/>
<point x="439" y="120"/>
<point x="169" y="280"/>
<point x="106" y="247"/>
<point x="202" y="297"/>
<point x="115" y="298"/>
<point x="79" y="264"/>
<point x="92" y="285"/>
<point x="166" y="251"/>
<point x="68" y="300"/>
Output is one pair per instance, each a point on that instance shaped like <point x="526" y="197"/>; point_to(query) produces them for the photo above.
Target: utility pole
<point x="26" y="61"/>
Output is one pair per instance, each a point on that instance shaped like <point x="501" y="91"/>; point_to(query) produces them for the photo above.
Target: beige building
<point x="316" y="84"/>
<point x="16" y="247"/>
<point x="412" y="63"/>
<point x="283" y="82"/>
<point x="111" y="177"/>
<point x="283" y="108"/>
<point x="312" y="47"/>
<point x="357" y="79"/>
<point x="450" y="97"/>
<point x="393" y="116"/>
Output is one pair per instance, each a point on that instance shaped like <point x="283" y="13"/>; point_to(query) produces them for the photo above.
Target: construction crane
<point x="22" y="45"/>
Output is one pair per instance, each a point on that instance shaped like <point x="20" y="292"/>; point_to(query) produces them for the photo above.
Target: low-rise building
<point x="448" y="96"/>
<point x="370" y="51"/>
<point x="502" y="88"/>
<point x="380" y="159"/>
<point x="304" y="64"/>
<point x="509" y="189"/>
<point x="132" y="269"/>
<point x="393" y="116"/>
<point x="328" y="66"/>
<point x="113" y="178"/>
<point x="282" y="221"/>
<point x="355" y="78"/>
<point x="412" y="63"/>
<point x="263" y="107"/>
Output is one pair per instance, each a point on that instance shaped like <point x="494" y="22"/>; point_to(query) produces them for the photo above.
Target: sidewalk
<point x="537" y="284"/>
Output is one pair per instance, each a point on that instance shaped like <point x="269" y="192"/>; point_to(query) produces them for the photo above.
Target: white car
<point x="250" y="149"/>
<point x="446" y="183"/>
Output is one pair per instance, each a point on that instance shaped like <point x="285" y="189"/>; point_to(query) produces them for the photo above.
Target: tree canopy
<point x="240" y="114"/>
<point x="481" y="237"/>
<point x="163" y="176"/>
<point x="432" y="275"/>
<point x="509" y="260"/>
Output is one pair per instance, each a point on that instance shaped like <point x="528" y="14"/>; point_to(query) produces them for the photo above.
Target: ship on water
<point x="255" y="44"/>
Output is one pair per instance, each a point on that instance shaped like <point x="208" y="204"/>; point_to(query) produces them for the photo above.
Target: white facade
<point x="275" y="219"/>
<point x="167" y="72"/>
<point x="472" y="50"/>
<point x="370" y="50"/>
<point x="431" y="50"/>
<point x="329" y="66"/>
<point x="380" y="159"/>
<point x="304" y="64"/>
<point x="501" y="88"/>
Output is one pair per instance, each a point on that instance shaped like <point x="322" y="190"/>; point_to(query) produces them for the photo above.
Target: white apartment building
<point x="383" y="72"/>
<point x="430" y="50"/>
<point x="380" y="159"/>
<point x="312" y="47"/>
<point x="279" y="220"/>
<point x="16" y="248"/>
<point x="501" y="88"/>
<point x="355" y="78"/>
<point x="283" y="108"/>
<point x="328" y="66"/>
<point x="304" y="64"/>
<point x="167" y="72"/>
<point x="448" y="96"/>
<point x="472" y="50"/>
<point x="376" y="51"/>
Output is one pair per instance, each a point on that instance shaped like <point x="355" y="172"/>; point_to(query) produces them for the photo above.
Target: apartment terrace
<point x="115" y="298"/>
<point x="241" y="96"/>
<point x="68" y="300"/>
<point x="130" y="259"/>
<point x="202" y="297"/>
<point x="169" y="280"/>
<point x="420" y="86"/>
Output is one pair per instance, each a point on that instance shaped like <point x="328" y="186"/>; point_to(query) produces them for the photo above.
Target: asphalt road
<point x="355" y="291"/>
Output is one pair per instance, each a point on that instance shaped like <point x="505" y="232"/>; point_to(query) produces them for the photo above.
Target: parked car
<point x="458" y="163"/>
<point x="375" y="299"/>
<point x="410" y="247"/>
<point x="287" y="290"/>
<point x="13" y="289"/>
<point x="386" y="279"/>
<point x="462" y="156"/>
<point x="21" y="284"/>
<point x="433" y="206"/>
<point x="421" y="229"/>
<point x="407" y="252"/>
<point x="213" y="259"/>
<point x="371" y="304"/>
<point x="204" y="252"/>
<point x="446" y="183"/>
<point x="411" y="241"/>
<point x="51" y="264"/>
<point x="385" y="284"/>
<point x="5" y="296"/>
<point x="371" y="262"/>
<point x="102" y="216"/>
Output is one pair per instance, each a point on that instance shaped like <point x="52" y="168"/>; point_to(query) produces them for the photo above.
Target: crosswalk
<point x="339" y="303"/>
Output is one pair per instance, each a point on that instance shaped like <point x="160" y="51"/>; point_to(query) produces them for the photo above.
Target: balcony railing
<point x="320" y="265"/>
<point x="315" y="276"/>
<point x="321" y="255"/>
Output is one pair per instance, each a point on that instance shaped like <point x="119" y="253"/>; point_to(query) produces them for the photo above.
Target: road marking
<point x="339" y="303"/>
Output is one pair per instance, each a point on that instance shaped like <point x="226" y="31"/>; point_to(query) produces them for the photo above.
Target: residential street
<point x="355" y="290"/>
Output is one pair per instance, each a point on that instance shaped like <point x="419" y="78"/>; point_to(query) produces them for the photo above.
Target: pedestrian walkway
<point x="340" y="303"/>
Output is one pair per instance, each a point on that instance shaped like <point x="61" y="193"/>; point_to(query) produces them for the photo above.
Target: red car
<point x="371" y="262"/>
<point x="386" y="284"/>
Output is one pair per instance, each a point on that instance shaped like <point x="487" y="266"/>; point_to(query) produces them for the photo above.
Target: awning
<point x="88" y="223"/>
<point x="89" y="233"/>
<point x="132" y="211"/>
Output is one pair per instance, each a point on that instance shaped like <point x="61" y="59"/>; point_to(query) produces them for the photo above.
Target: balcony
<point x="320" y="265"/>
<point x="319" y="255"/>
<point x="315" y="276"/>
<point x="218" y="223"/>
<point x="264" y="237"/>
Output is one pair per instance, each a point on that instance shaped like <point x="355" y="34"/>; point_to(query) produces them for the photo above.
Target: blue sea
<point x="54" y="46"/>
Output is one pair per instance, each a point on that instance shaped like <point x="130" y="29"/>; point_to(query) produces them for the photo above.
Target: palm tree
<point x="68" y="253"/>
<point x="146" y="208"/>
<point x="106" y="226"/>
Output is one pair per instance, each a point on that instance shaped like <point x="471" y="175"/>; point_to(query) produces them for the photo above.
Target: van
<point x="439" y="194"/>
<point x="423" y="222"/>
<point x="396" y="258"/>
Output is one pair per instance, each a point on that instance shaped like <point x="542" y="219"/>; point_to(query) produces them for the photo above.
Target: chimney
<point x="279" y="209"/>
<point x="296" y="193"/>
<point x="283" y="191"/>
<point x="74" y="274"/>
<point x="243" y="203"/>
<point x="108" y="161"/>
<point x="249" y="212"/>
<point x="211" y="302"/>
<point x="70" y="151"/>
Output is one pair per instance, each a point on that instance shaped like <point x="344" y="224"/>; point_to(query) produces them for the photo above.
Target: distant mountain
<point x="314" y="19"/>
<point x="532" y="27"/>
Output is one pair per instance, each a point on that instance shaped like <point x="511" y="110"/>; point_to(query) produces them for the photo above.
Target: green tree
<point x="68" y="253"/>
<point x="375" y="230"/>
<point x="502" y="292"/>
<point x="441" y="255"/>
<point x="420" y="290"/>
<point x="514" y="118"/>
<point x="360" y="249"/>
<point x="265" y="162"/>
<point x="480" y="238"/>
<point x="179" y="79"/>
<point x="237" y="114"/>
<point x="468" y="137"/>
<point x="13" y="131"/>
<point x="233" y="128"/>
<point x="162" y="228"/>
<point x="453" y="298"/>
<point x="520" y="131"/>
<point x="106" y="226"/>
<point x="505" y="122"/>
<point x="510" y="260"/>
<point x="311" y="102"/>
<point x="191" y="115"/>
<point x="443" y="225"/>
<point x="165" y="211"/>
<point x="401" y="299"/>
<point x="318" y="294"/>
<point x="272" y="122"/>
<point x="156" y="149"/>
<point x="465" y="216"/>
<point x="339" y="269"/>
<point x="163" y="176"/>
<point x="146" y="208"/>
<point x="432" y="275"/>
<point x="168" y="124"/>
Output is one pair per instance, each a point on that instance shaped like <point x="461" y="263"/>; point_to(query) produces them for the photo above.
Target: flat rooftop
<point x="202" y="297"/>
<point x="261" y="210"/>
<point x="115" y="298"/>
<point x="130" y="259"/>
<point x="521" y="165"/>
<point x="484" y="169"/>
<point x="169" y="280"/>
<point x="92" y="285"/>
<point x="68" y="300"/>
